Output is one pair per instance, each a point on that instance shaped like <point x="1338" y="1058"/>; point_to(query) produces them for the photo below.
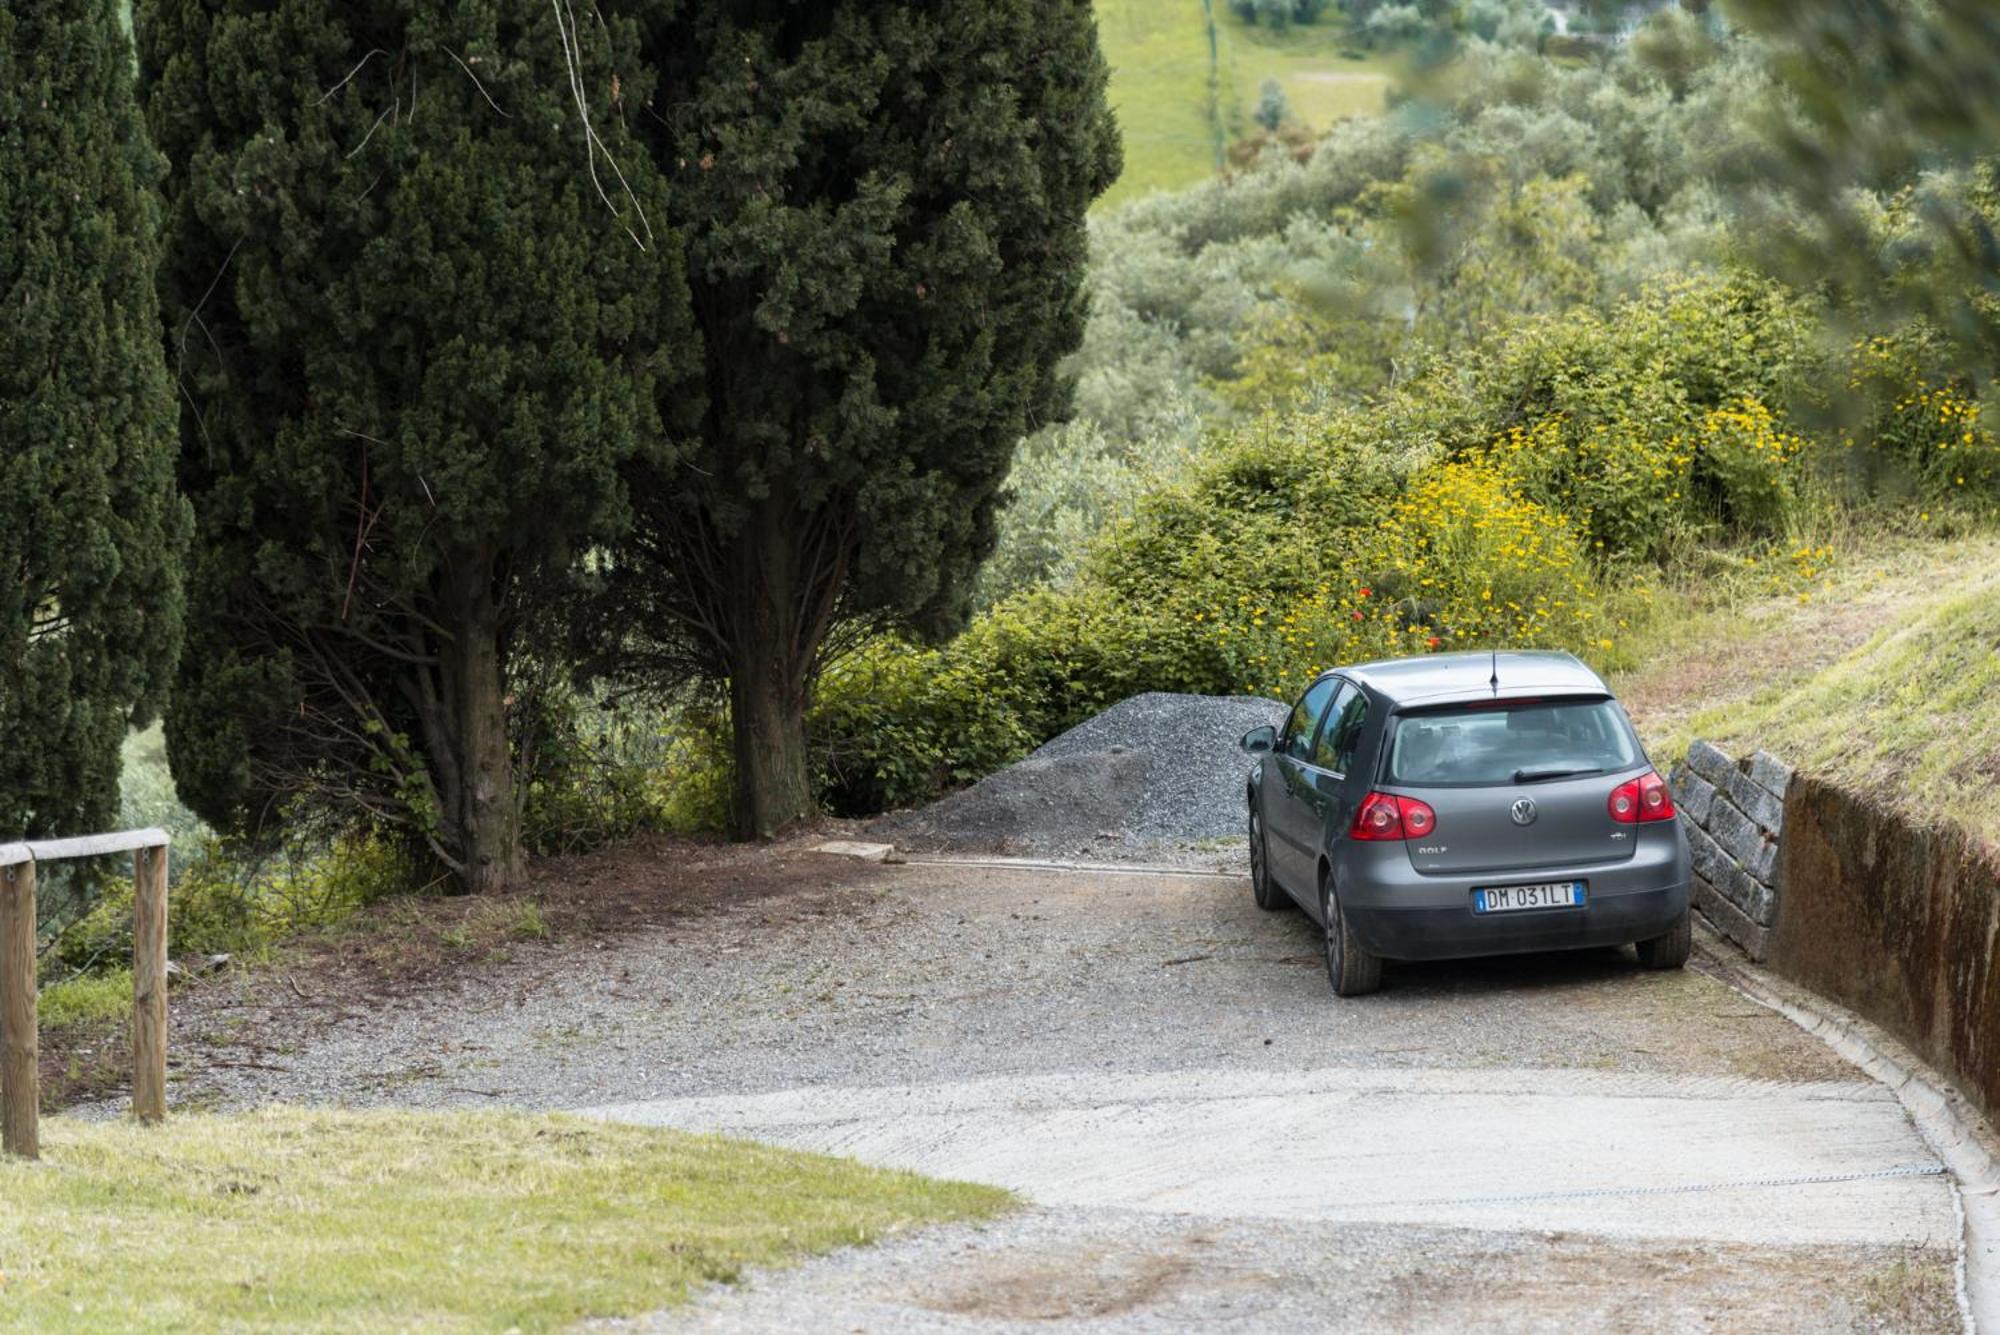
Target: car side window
<point x="1304" y="722"/>
<point x="1341" y="736"/>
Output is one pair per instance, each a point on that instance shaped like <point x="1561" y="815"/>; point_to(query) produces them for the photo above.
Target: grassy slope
<point x="1885" y="678"/>
<point x="1160" y="86"/>
<point x="1912" y="716"/>
<point x="373" y="1221"/>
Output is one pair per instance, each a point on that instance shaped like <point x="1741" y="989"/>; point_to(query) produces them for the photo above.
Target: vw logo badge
<point x="1524" y="812"/>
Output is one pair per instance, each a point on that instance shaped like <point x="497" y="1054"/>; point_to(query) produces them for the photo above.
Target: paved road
<point x="1558" y="1142"/>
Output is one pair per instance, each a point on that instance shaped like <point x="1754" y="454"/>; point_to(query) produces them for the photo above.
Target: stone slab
<point x="1710" y="763"/>
<point x="849" y="848"/>
<point x="1731" y="921"/>
<point x="1743" y="839"/>
<point x="1771" y="774"/>
<point x="1757" y="802"/>
<point x="1692" y="794"/>
<point x="1749" y="894"/>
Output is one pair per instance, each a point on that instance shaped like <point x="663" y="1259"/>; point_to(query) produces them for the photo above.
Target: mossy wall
<point x="1897" y="922"/>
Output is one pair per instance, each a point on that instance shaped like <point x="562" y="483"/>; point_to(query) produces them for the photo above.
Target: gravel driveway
<point x="1558" y="1141"/>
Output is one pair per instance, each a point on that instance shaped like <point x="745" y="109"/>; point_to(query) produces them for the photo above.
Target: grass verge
<point x="322" y="1220"/>
<point x="88" y="999"/>
<point x="1911" y="718"/>
<point x="1730" y="638"/>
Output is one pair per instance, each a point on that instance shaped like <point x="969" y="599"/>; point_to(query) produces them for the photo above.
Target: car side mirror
<point x="1260" y="741"/>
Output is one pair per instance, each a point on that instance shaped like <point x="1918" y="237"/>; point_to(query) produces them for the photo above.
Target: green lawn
<point x="1175" y="121"/>
<point x="320" y="1220"/>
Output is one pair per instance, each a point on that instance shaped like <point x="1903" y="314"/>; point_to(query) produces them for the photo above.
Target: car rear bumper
<point x="1401" y="914"/>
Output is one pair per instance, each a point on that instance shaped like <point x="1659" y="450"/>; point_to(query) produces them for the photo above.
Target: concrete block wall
<point x="1734" y="813"/>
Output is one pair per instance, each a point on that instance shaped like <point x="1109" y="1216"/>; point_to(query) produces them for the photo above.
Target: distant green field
<point x="1179" y="108"/>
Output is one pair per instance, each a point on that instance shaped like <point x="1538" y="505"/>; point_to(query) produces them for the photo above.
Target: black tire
<point x="1350" y="968"/>
<point x="1668" y="951"/>
<point x="1270" y="896"/>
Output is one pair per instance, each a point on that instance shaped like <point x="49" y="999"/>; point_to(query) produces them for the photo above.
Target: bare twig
<point x="371" y="129"/>
<point x="378" y="51"/>
<point x="213" y="283"/>
<point x="476" y="84"/>
<point x="592" y="145"/>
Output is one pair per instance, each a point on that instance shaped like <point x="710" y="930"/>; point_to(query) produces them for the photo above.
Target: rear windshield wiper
<point x="1538" y="775"/>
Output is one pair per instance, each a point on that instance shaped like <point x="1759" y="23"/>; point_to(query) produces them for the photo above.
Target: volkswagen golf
<point x="1465" y="804"/>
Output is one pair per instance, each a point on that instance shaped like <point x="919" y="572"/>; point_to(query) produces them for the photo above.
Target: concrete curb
<point x="1948" y="1122"/>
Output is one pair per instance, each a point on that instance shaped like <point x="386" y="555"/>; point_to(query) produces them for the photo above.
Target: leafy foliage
<point x="91" y="532"/>
<point x="422" y="337"/>
<point x="1874" y="172"/>
<point x="883" y="208"/>
<point x="1530" y="492"/>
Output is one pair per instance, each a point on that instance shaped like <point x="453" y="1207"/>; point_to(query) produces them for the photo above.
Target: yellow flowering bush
<point x="1461" y="558"/>
<point x="1637" y="490"/>
<point x="1747" y="463"/>
<point x="1624" y="484"/>
<point x="1918" y="424"/>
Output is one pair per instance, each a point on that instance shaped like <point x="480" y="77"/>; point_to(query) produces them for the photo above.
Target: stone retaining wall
<point x="1734" y="813"/>
<point x="1896" y="921"/>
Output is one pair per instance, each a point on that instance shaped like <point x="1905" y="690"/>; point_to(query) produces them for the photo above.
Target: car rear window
<point x="1492" y="744"/>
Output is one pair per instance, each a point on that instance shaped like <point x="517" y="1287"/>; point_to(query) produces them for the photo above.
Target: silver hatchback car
<point x="1466" y="804"/>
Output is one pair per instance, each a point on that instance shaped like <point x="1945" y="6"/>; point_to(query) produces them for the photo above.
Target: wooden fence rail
<point x="20" y="1077"/>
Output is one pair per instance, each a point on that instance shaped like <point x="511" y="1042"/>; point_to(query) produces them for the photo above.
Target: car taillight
<point x="1642" y="799"/>
<point x="1386" y="816"/>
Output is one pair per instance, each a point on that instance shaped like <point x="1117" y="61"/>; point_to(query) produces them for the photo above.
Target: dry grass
<point x="1911" y="717"/>
<point x="1881" y="674"/>
<point x="1721" y="653"/>
<point x="370" y="1221"/>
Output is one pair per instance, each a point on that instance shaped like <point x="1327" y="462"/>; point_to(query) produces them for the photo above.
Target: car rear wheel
<point x="1668" y="951"/>
<point x="1268" y="895"/>
<point x="1350" y="967"/>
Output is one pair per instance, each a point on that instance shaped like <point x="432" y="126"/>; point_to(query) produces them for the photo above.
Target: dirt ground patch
<point x="1133" y="1273"/>
<point x="254" y="1015"/>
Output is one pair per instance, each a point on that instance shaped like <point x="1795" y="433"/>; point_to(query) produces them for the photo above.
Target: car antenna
<point x="1495" y="681"/>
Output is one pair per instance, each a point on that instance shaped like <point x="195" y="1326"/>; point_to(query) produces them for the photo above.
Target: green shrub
<point x="1271" y="563"/>
<point x="228" y="898"/>
<point x="91" y="998"/>
<point x="895" y="724"/>
<point x="1659" y="424"/>
<point x="1917" y="431"/>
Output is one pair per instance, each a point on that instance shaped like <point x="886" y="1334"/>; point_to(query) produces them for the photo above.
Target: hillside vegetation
<point x="1182" y="99"/>
<point x="1508" y="364"/>
<point x="1499" y="373"/>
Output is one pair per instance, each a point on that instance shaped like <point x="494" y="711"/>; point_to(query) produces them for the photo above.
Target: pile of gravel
<point x="1149" y="777"/>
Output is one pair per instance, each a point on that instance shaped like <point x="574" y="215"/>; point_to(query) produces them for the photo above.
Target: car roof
<point x="1455" y="678"/>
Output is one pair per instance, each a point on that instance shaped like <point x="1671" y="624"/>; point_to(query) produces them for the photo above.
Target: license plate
<point x="1509" y="898"/>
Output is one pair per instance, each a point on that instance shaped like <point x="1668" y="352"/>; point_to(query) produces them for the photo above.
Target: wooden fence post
<point x="20" y="1080"/>
<point x="149" y="984"/>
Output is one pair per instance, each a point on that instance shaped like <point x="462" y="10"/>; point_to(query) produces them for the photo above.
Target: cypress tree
<point x="425" y="302"/>
<point x="91" y="530"/>
<point x="883" y="204"/>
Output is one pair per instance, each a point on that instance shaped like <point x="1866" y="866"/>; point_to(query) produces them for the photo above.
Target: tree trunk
<point x="483" y="819"/>
<point x="773" y="640"/>
<point x="773" y="788"/>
